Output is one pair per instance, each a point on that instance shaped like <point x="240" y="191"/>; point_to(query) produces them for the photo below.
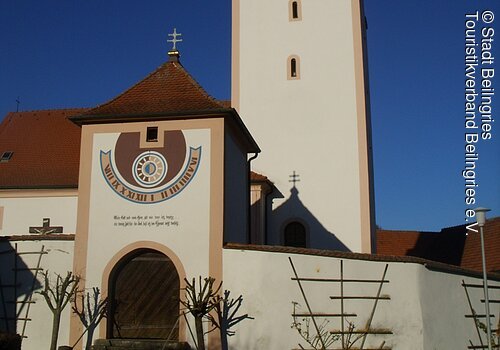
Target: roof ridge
<point x="404" y="231"/>
<point x="181" y="68"/>
<point x="50" y="109"/>
<point x="11" y="115"/>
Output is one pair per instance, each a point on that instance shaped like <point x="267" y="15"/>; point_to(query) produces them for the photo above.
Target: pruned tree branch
<point x="57" y="297"/>
<point x="91" y="311"/>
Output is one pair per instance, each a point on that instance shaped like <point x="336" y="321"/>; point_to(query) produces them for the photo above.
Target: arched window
<point x="295" y="235"/>
<point x="293" y="67"/>
<point x="295" y="10"/>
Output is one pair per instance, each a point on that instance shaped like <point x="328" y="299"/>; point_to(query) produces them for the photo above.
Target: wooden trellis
<point x="479" y="318"/>
<point x="21" y="307"/>
<point x="360" y="334"/>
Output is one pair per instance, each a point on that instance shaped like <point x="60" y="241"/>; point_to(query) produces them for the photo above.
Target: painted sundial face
<point x="150" y="175"/>
<point x="150" y="168"/>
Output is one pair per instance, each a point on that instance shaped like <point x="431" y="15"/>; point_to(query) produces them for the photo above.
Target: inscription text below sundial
<point x="145" y="221"/>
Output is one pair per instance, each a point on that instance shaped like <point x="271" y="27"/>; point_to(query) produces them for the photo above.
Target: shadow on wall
<point x="317" y="236"/>
<point x="17" y="284"/>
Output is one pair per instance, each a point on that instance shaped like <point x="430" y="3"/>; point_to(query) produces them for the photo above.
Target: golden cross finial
<point x="174" y="39"/>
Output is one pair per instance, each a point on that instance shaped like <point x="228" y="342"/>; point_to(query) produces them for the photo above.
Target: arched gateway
<point x="144" y="297"/>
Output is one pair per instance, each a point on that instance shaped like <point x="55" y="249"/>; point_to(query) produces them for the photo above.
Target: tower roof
<point x="168" y="93"/>
<point x="168" y="89"/>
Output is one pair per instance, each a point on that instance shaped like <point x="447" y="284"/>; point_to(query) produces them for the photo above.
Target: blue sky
<point x="58" y="54"/>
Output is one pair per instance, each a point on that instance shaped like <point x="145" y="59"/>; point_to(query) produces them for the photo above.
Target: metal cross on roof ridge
<point x="174" y="39"/>
<point x="294" y="178"/>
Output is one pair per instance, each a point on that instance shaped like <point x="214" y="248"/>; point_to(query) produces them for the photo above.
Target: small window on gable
<point x="152" y="134"/>
<point x="293" y="67"/>
<point x="295" y="10"/>
<point x="6" y="156"/>
<point x="295" y="235"/>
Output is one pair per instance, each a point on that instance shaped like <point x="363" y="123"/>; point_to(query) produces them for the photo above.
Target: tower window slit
<point x="295" y="10"/>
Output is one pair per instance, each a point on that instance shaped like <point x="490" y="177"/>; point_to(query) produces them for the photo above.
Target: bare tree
<point x="57" y="297"/>
<point x="91" y="311"/>
<point x="225" y="315"/>
<point x="199" y="304"/>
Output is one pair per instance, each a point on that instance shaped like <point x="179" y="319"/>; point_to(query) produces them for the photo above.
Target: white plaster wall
<point x="426" y="310"/>
<point x="189" y="240"/>
<point x="58" y="261"/>
<point x="21" y="213"/>
<point x="307" y="125"/>
<point x="445" y="326"/>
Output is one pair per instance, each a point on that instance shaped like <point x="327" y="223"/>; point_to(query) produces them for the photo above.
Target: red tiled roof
<point x="257" y="177"/>
<point x="451" y="245"/>
<point x="471" y="258"/>
<point x="168" y="89"/>
<point x="396" y="243"/>
<point x="46" y="148"/>
<point x="225" y="103"/>
<point x="46" y="144"/>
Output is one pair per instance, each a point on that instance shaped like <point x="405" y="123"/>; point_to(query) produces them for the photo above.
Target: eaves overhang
<point x="230" y="116"/>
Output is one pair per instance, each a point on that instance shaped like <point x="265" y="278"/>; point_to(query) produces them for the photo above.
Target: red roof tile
<point x="46" y="144"/>
<point x="471" y="258"/>
<point x="451" y="245"/>
<point x="257" y="177"/>
<point x="46" y="148"/>
<point x="225" y="103"/>
<point x="168" y="89"/>
<point x="396" y="243"/>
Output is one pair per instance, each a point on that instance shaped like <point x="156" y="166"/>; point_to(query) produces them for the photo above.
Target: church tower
<point x="299" y="81"/>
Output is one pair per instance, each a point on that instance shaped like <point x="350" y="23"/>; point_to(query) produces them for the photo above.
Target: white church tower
<point x="299" y="81"/>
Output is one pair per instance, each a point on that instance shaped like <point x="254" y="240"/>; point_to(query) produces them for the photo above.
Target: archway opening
<point x="144" y="297"/>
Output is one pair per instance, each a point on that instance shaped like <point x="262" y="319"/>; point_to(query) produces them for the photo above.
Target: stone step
<point x="138" y="344"/>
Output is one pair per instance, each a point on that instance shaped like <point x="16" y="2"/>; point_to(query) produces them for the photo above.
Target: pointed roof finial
<point x="173" y="53"/>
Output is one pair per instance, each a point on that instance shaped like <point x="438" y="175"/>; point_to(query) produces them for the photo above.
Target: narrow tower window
<point x="293" y="67"/>
<point x="293" y="63"/>
<point x="294" y="9"/>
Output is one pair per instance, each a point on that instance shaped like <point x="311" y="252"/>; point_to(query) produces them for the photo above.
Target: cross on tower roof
<point x="174" y="39"/>
<point x="294" y="178"/>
